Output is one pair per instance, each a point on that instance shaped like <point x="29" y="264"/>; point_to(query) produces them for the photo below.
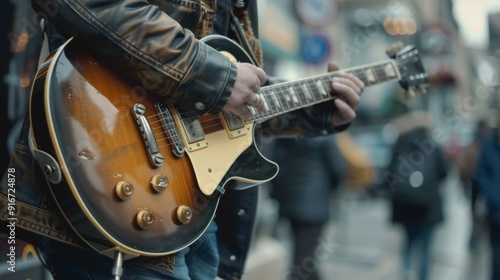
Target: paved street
<point x="361" y="244"/>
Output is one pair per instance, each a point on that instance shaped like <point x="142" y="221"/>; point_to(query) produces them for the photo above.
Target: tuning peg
<point x="393" y="49"/>
<point x="409" y="94"/>
<point x="421" y="90"/>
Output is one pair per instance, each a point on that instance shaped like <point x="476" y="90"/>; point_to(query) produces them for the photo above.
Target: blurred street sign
<point x="315" y="49"/>
<point x="315" y="13"/>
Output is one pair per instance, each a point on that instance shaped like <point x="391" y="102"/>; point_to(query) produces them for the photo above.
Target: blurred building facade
<point x="299" y="37"/>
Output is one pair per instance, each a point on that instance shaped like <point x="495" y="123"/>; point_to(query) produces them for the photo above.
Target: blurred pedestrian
<point x="310" y="169"/>
<point x="487" y="179"/>
<point x="466" y="165"/>
<point x="415" y="173"/>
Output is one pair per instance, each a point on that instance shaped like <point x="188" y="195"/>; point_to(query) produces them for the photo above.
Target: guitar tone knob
<point x="184" y="214"/>
<point x="159" y="182"/>
<point x="145" y="218"/>
<point x="124" y="190"/>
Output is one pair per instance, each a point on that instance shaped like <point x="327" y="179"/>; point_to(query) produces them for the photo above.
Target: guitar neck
<point x="289" y="96"/>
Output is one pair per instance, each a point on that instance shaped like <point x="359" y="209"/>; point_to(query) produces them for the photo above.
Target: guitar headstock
<point x="414" y="79"/>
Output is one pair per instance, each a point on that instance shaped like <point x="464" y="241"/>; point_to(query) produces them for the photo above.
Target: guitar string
<point x="280" y="97"/>
<point x="279" y="88"/>
<point x="219" y="122"/>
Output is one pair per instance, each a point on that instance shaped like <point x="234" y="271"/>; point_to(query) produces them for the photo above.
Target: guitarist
<point x="155" y="43"/>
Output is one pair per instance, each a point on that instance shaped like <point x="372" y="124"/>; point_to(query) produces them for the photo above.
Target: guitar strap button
<point x="199" y="106"/>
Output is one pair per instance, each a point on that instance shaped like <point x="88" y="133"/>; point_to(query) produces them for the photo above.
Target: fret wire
<point x="275" y="93"/>
<point x="379" y="73"/>
<point x="370" y="76"/>
<point x="383" y="68"/>
<point x="378" y="70"/>
<point x="298" y="96"/>
<point x="381" y="76"/>
<point x="317" y="86"/>
<point x="361" y="75"/>
<point x="280" y="99"/>
<point x="327" y="84"/>
<point x="267" y="96"/>
<point x="303" y="88"/>
<point x="274" y="106"/>
<point x="289" y="97"/>
<point x="285" y="90"/>
<point x="264" y="101"/>
<point x="284" y="98"/>
<point x="314" y="90"/>
<point x="258" y="113"/>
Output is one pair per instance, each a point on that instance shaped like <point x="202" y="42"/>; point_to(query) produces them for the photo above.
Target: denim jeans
<point x="199" y="261"/>
<point x="419" y="239"/>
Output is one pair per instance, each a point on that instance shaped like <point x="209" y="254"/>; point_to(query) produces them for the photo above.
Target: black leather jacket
<point x="155" y="42"/>
<point x="152" y="41"/>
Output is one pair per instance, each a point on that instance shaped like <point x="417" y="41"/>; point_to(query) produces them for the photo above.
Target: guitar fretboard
<point x="289" y="96"/>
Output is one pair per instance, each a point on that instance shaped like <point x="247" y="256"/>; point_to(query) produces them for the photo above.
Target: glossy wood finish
<point x="81" y="115"/>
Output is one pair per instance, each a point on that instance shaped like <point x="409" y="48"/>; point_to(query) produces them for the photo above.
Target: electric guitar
<point x="134" y="173"/>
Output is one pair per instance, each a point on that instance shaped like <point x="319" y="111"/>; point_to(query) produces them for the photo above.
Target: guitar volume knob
<point x="184" y="214"/>
<point x="124" y="190"/>
<point x="159" y="182"/>
<point x="145" y="218"/>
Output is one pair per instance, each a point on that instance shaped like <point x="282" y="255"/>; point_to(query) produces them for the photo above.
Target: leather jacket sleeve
<point x="149" y="46"/>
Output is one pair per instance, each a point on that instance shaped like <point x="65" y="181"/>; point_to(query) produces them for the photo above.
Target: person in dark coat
<point x="310" y="168"/>
<point x="414" y="175"/>
<point x="466" y="165"/>
<point x="487" y="180"/>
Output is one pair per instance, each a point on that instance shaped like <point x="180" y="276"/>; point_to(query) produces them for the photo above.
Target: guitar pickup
<point x="168" y="125"/>
<point x="234" y="124"/>
<point x="193" y="129"/>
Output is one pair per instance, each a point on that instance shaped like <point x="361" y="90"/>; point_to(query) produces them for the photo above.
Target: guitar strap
<point x="241" y="26"/>
<point x="40" y="221"/>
